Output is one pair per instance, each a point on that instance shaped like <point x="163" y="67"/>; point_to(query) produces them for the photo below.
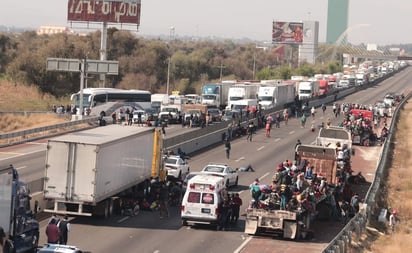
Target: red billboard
<point x="287" y="32"/>
<point x="111" y="11"/>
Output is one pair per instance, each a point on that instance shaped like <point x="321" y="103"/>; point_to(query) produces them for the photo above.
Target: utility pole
<point x="221" y="70"/>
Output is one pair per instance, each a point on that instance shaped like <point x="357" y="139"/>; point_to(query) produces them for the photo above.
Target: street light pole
<point x="171" y="36"/>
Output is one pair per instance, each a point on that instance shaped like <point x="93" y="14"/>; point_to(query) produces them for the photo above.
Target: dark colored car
<point x="215" y="114"/>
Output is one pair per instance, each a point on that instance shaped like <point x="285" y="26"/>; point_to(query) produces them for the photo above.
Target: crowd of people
<point x="58" y="229"/>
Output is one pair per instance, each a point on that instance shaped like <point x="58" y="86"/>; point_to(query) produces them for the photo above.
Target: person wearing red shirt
<point x="52" y="232"/>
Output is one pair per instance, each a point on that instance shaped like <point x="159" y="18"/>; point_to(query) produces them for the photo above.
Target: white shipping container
<point x="93" y="165"/>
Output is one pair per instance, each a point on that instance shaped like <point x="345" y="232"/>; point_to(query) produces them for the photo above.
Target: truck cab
<point x="16" y="218"/>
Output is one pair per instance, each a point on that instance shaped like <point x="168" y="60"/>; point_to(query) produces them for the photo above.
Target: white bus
<point x="97" y="96"/>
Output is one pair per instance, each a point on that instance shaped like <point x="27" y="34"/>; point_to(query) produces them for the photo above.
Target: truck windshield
<point x="265" y="98"/>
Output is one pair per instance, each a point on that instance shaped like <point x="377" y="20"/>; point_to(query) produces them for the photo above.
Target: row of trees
<point x="143" y="63"/>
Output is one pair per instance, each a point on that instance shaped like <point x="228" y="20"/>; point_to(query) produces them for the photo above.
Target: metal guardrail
<point x="24" y="135"/>
<point x="357" y="225"/>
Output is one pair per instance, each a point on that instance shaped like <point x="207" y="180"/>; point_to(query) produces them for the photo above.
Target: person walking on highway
<point x="227" y="148"/>
<point x="313" y="111"/>
<point x="303" y="120"/>
<point x="250" y="129"/>
<point x="286" y="116"/>
<point x="64" y="228"/>
<point x="267" y="127"/>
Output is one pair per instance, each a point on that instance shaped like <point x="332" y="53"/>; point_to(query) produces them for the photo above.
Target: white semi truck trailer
<point x="87" y="171"/>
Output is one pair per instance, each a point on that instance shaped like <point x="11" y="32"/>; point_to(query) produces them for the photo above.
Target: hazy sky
<point x="386" y="19"/>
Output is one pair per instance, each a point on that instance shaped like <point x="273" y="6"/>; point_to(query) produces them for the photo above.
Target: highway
<point x="147" y="233"/>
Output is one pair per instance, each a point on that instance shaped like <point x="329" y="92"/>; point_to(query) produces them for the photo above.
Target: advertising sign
<point x="287" y="32"/>
<point x="111" y="11"/>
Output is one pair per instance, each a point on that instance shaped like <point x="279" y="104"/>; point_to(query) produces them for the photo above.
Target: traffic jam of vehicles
<point x="315" y="184"/>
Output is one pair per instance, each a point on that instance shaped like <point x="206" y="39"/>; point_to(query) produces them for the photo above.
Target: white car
<point x="389" y="99"/>
<point x="231" y="176"/>
<point x="176" y="167"/>
<point x="143" y="116"/>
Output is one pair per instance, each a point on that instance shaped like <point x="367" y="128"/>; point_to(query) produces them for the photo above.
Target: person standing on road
<point x="163" y="201"/>
<point x="52" y="232"/>
<point x="227" y="148"/>
<point x="250" y="129"/>
<point x="64" y="228"/>
<point x="236" y="204"/>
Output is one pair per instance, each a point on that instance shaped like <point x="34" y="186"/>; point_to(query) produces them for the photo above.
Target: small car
<point x="59" y="248"/>
<point x="176" y="166"/>
<point x="215" y="114"/>
<point x="231" y="176"/>
<point x="389" y="99"/>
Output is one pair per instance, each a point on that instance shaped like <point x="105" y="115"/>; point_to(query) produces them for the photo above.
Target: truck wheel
<point x="184" y="222"/>
<point x="106" y="209"/>
<point x="111" y="205"/>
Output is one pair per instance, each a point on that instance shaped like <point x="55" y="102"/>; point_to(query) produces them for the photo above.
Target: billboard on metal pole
<point x="110" y="11"/>
<point x="287" y="32"/>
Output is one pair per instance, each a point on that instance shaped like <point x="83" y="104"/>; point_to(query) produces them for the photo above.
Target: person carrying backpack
<point x="64" y="228"/>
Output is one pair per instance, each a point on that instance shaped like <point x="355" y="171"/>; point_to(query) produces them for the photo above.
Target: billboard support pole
<point x="103" y="55"/>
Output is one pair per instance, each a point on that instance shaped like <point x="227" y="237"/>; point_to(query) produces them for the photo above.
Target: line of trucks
<point x="295" y="223"/>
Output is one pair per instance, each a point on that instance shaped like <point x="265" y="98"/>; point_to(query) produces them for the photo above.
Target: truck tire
<point x="106" y="210"/>
<point x="184" y="222"/>
<point x="111" y="206"/>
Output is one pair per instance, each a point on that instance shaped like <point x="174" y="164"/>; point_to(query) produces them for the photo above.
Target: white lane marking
<point x="265" y="175"/>
<point x="292" y="132"/>
<point x="22" y="167"/>
<point x="240" y="159"/>
<point x="19" y="154"/>
<point x="313" y="142"/>
<point x="277" y="139"/>
<point x="240" y="248"/>
<point x="261" y="148"/>
<point x="123" y="219"/>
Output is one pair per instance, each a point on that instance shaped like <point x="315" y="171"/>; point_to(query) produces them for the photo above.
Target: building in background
<point x="308" y="50"/>
<point x="48" y="29"/>
<point x="338" y="14"/>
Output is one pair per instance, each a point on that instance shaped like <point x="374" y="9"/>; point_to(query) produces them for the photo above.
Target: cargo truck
<point x="308" y="89"/>
<point x="216" y="94"/>
<point x="16" y="218"/>
<point x="276" y="95"/>
<point x="242" y="91"/>
<point x="87" y="172"/>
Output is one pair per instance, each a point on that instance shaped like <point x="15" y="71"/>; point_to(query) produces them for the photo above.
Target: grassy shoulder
<point x="18" y="97"/>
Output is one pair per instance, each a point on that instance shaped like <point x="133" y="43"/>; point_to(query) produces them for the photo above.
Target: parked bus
<point x="97" y="96"/>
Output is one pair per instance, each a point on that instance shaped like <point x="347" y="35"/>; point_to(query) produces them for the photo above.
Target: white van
<point x="200" y="204"/>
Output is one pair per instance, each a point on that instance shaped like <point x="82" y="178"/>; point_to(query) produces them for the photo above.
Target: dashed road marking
<point x="277" y="139"/>
<point x="123" y="219"/>
<point x="292" y="132"/>
<point x="260" y="148"/>
<point x="240" y="159"/>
